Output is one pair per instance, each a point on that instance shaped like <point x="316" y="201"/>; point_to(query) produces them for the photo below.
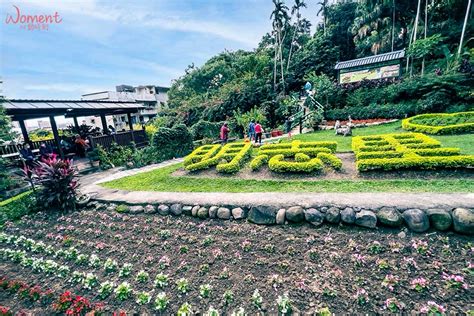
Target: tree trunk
<point x="281" y="61"/>
<point x="393" y="23"/>
<point x="291" y="45"/>
<point x="275" y="64"/>
<point x="415" y="31"/>
<point x="468" y="9"/>
<point x="426" y="30"/>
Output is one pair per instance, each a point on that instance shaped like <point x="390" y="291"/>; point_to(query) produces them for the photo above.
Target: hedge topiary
<point x="441" y="123"/>
<point x="172" y="142"/>
<point x="228" y="159"/>
<point x="406" y="151"/>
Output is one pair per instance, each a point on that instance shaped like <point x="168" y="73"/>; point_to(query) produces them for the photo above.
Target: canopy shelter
<point x="380" y="66"/>
<point x="21" y="110"/>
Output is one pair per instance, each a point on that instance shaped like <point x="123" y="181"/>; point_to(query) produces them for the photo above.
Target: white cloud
<point x="243" y="33"/>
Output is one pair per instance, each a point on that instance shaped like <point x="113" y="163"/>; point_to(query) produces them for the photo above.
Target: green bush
<point x="406" y="151"/>
<point x="17" y="206"/>
<point x="172" y="142"/>
<point x="258" y="162"/>
<point x="330" y="160"/>
<point x="278" y="164"/>
<point x="229" y="159"/>
<point x="6" y="180"/>
<point x="300" y="157"/>
<point x="205" y="129"/>
<point x="441" y="123"/>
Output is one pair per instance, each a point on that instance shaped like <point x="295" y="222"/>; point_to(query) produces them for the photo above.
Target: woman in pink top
<point x="258" y="133"/>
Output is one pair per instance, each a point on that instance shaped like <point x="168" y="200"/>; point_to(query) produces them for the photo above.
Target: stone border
<point x="461" y="220"/>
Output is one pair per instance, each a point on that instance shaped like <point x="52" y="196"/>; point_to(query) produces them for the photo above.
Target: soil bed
<point x="348" y="172"/>
<point x="318" y="267"/>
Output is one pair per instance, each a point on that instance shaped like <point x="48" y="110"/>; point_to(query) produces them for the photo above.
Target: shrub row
<point x="406" y="151"/>
<point x="258" y="162"/>
<point x="201" y="153"/>
<point x="235" y="154"/>
<point x="441" y="123"/>
<point x="416" y="163"/>
<point x="17" y="206"/>
<point x="278" y="164"/>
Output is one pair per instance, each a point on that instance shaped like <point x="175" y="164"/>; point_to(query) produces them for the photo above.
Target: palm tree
<point x="280" y="18"/>
<point x="295" y="11"/>
<point x="322" y="9"/>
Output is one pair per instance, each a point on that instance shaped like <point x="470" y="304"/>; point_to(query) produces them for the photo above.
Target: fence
<point x="122" y="139"/>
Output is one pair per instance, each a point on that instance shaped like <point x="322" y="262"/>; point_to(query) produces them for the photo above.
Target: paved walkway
<point x="91" y="184"/>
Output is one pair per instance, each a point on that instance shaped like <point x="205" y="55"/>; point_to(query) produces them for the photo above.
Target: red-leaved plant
<point x="56" y="179"/>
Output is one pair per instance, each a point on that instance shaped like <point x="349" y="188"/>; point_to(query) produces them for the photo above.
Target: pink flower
<point x="431" y="308"/>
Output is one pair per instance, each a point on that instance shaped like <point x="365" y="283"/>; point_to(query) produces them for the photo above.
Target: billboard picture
<point x="370" y="74"/>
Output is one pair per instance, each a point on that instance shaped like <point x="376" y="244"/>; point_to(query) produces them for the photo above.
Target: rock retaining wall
<point x="460" y="220"/>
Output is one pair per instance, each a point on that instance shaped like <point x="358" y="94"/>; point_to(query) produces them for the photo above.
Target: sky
<point x="94" y="45"/>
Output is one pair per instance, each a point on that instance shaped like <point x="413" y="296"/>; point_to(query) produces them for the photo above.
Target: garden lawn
<point x="163" y="180"/>
<point x="463" y="141"/>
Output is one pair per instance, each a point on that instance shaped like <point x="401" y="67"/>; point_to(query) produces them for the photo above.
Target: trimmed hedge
<point x="201" y="153"/>
<point x="454" y="123"/>
<point x="258" y="162"/>
<point x="331" y="160"/>
<point x="311" y="149"/>
<point x="233" y="154"/>
<point x="406" y="151"/>
<point x="278" y="164"/>
<point x="14" y="208"/>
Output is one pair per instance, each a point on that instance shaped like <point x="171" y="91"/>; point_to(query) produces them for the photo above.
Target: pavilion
<point x="21" y="110"/>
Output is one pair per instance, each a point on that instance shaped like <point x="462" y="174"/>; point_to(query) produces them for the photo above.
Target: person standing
<point x="258" y="133"/>
<point x="251" y="132"/>
<point x="224" y="133"/>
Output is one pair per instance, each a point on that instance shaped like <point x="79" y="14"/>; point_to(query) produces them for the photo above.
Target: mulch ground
<point x="318" y="267"/>
<point x="348" y="172"/>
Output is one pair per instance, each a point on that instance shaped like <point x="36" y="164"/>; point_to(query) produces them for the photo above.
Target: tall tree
<point x="322" y="10"/>
<point x="279" y="19"/>
<point x="295" y="11"/>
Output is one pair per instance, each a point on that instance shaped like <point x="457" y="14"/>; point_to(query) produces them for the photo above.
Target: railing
<point x="11" y="149"/>
<point x="121" y="138"/>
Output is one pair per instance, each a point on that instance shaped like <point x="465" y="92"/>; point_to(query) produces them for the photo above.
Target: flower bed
<point x="161" y="264"/>
<point x="406" y="151"/>
<point x="441" y="123"/>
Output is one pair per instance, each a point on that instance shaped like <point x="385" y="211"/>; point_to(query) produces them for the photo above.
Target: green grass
<point x="14" y="198"/>
<point x="463" y="141"/>
<point x="161" y="180"/>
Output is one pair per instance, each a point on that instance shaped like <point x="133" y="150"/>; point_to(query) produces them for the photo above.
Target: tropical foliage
<point x="237" y="82"/>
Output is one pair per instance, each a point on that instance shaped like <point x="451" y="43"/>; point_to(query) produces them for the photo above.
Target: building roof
<point x="399" y="54"/>
<point x="27" y="109"/>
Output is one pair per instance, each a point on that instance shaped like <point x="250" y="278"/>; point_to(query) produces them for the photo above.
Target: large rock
<point x="223" y="213"/>
<point x="463" y="220"/>
<point x="176" y="209"/>
<point x="295" y="214"/>
<point x="416" y="220"/>
<point x="213" y="211"/>
<point x="203" y="212"/>
<point x="187" y="210"/>
<point x="280" y="217"/>
<point x="150" y="209"/>
<point x="366" y="219"/>
<point x="333" y="215"/>
<point x="389" y="216"/>
<point x="194" y="210"/>
<point x="135" y="209"/>
<point x="238" y="213"/>
<point x="163" y="209"/>
<point x="439" y="218"/>
<point x="348" y="215"/>
<point x="262" y="214"/>
<point x="314" y="216"/>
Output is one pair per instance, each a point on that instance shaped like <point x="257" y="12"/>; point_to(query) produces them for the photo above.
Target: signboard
<point x="370" y="74"/>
